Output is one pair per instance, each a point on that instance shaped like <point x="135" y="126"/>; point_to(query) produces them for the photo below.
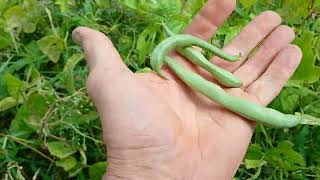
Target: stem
<point x="264" y="132"/>
<point x="19" y="141"/>
<point x="82" y="134"/>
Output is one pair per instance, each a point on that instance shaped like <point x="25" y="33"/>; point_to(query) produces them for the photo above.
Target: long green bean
<point x="224" y="77"/>
<point x="242" y="107"/>
<point x="180" y="40"/>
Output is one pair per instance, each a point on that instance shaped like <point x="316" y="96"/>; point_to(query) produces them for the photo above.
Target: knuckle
<point x="271" y="15"/>
<point x="92" y="83"/>
<point x="287" y="30"/>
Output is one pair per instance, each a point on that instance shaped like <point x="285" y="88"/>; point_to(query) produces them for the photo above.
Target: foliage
<point x="49" y="128"/>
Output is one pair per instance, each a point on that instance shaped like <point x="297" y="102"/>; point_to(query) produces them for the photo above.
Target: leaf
<point x="300" y="8"/>
<point x="251" y="164"/>
<point x="103" y="3"/>
<point x="5" y="39"/>
<point x="313" y="109"/>
<point x="144" y="70"/>
<point x="67" y="72"/>
<point x="156" y="11"/>
<point x="64" y="5"/>
<point x="316" y="4"/>
<point x="231" y="34"/>
<point x="52" y="46"/>
<point x="300" y="139"/>
<point x="307" y="72"/>
<point x="7" y="103"/>
<point x="15" y="86"/>
<point x="287" y="101"/>
<point x="60" y="149"/>
<point x="29" y="116"/>
<point x="146" y="43"/>
<point x="254" y="152"/>
<point x="97" y="170"/>
<point x="24" y="17"/>
<point x="247" y="3"/>
<point x="67" y="163"/>
<point x="192" y="7"/>
<point x="283" y="156"/>
<point x="80" y="119"/>
<point x="130" y="3"/>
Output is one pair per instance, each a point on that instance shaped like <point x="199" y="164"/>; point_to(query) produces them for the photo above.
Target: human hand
<point x="161" y="129"/>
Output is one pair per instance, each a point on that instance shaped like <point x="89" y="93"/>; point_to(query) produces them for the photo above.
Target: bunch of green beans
<point x="247" y="109"/>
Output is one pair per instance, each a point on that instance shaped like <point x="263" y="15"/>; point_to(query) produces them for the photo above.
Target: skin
<point x="160" y="129"/>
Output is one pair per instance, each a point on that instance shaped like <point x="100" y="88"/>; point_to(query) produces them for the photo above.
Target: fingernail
<point x="76" y="36"/>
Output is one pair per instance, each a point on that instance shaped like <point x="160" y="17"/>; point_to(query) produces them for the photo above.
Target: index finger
<point x="210" y="17"/>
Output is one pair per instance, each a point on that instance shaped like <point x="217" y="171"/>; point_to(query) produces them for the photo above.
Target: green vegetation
<point x="49" y="129"/>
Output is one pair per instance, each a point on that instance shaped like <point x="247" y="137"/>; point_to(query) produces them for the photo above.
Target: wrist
<point x="135" y="172"/>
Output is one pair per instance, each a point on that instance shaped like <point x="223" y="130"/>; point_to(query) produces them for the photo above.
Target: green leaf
<point x="52" y="46"/>
<point x="97" y="170"/>
<point x="28" y="118"/>
<point x="133" y="4"/>
<point x="60" y="149"/>
<point x="247" y="3"/>
<point x="23" y="17"/>
<point x="144" y="70"/>
<point x="103" y="3"/>
<point x="251" y="164"/>
<point x="5" y="39"/>
<point x="307" y="72"/>
<point x="64" y="5"/>
<point x="287" y="101"/>
<point x="146" y="43"/>
<point x="300" y="8"/>
<point x="67" y="72"/>
<point x="313" y="109"/>
<point x="67" y="163"/>
<point x="231" y="34"/>
<point x="316" y="4"/>
<point x="254" y="152"/>
<point x="285" y="157"/>
<point x="192" y="7"/>
<point x="7" y="103"/>
<point x="79" y="119"/>
<point x="15" y="86"/>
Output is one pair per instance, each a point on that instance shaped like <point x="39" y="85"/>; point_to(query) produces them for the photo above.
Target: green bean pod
<point x="224" y="77"/>
<point x="183" y="41"/>
<point x="242" y="107"/>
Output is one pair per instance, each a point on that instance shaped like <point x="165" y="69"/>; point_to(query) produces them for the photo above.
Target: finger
<point x="212" y="15"/>
<point x="279" y="39"/>
<point x="249" y="38"/>
<point x="269" y="85"/>
<point x="99" y="50"/>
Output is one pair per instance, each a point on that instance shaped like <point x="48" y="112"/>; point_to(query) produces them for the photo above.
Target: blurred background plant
<point x="49" y="129"/>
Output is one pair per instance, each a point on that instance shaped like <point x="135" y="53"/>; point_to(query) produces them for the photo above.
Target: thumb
<point x="99" y="50"/>
<point x="108" y="73"/>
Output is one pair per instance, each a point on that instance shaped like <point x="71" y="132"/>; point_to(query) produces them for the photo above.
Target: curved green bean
<point x="222" y="76"/>
<point x="242" y="107"/>
<point x="180" y="40"/>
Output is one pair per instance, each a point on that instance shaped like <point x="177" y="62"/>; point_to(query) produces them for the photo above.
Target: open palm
<point x="161" y="129"/>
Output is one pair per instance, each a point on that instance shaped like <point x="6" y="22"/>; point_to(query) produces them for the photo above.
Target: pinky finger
<point x="269" y="85"/>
